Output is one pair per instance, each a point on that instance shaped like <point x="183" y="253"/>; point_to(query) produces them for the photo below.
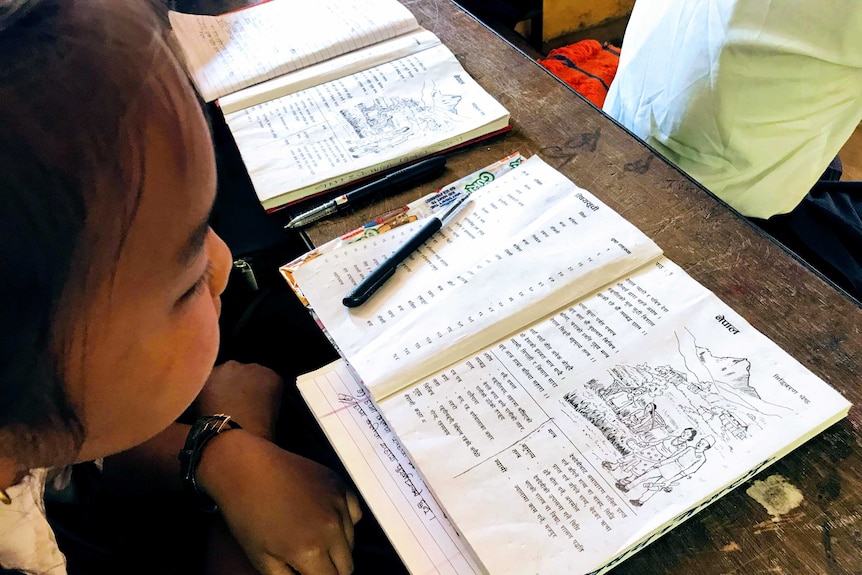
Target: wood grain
<point x="779" y="295"/>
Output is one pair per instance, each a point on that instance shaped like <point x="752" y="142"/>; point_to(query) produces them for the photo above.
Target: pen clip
<point x="313" y="215"/>
<point x="454" y="209"/>
<point x="353" y="299"/>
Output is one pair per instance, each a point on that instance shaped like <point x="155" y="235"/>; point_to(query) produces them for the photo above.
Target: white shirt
<point x="751" y="98"/>
<point x="27" y="542"/>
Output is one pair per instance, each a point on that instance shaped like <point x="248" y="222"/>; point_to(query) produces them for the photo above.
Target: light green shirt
<point x="751" y="98"/>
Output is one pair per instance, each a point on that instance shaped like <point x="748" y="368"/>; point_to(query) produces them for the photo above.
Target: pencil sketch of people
<point x="713" y="392"/>
<point x="667" y="474"/>
<point x="646" y="454"/>
<point x="389" y="121"/>
<point x="644" y="419"/>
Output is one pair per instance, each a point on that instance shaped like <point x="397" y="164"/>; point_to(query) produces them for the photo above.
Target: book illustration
<point x="358" y="125"/>
<point x="667" y="473"/>
<point x="662" y="419"/>
<point x="390" y="121"/>
<point x="644" y="455"/>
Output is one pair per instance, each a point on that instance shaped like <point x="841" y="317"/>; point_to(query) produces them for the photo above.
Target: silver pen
<point x="426" y="169"/>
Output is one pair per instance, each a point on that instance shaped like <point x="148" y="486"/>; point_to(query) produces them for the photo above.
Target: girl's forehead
<point x="165" y="187"/>
<point x="152" y="256"/>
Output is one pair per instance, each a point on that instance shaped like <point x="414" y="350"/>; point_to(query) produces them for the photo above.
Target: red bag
<point x="587" y="66"/>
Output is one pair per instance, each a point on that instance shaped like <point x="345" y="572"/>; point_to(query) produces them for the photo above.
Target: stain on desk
<point x="777" y="495"/>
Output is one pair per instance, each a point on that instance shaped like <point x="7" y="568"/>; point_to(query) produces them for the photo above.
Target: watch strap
<point x="203" y="430"/>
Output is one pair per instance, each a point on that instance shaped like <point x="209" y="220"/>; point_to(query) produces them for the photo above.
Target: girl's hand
<point x="249" y="393"/>
<point x="287" y="512"/>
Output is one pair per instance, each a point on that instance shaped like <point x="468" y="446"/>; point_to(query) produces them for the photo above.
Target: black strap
<point x="574" y="66"/>
<point x="202" y="431"/>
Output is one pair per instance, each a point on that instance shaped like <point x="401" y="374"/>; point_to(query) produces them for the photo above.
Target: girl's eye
<point x="198" y="286"/>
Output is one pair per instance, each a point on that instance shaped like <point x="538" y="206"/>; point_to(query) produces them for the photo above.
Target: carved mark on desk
<point x="828" y="491"/>
<point x="639" y="166"/>
<point x="584" y="142"/>
<point x="826" y="540"/>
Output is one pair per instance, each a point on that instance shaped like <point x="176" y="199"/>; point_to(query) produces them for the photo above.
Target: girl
<point x="109" y="300"/>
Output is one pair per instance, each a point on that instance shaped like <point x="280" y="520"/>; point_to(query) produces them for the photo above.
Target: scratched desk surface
<point x="809" y="318"/>
<point x="744" y="532"/>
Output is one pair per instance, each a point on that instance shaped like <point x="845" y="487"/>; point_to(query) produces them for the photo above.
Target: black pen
<point x="372" y="282"/>
<point x="426" y="169"/>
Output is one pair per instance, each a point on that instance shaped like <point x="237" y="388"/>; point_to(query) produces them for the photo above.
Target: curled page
<point x="233" y="51"/>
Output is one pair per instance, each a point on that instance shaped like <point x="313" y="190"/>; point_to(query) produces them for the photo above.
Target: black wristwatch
<point x="202" y="431"/>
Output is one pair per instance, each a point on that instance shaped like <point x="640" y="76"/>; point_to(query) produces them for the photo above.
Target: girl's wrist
<point x="204" y="447"/>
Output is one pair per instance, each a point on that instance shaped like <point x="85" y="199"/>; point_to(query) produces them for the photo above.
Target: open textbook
<point x="560" y="389"/>
<point x="343" y="92"/>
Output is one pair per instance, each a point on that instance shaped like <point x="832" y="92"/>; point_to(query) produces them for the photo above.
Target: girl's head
<point x="111" y="275"/>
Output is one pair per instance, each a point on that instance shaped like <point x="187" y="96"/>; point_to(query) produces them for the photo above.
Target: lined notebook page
<point x="236" y="50"/>
<point x="412" y="519"/>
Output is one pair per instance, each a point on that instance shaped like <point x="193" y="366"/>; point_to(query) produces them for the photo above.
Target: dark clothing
<point x="825" y="230"/>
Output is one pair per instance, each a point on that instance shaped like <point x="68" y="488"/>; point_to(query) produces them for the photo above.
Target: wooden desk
<point x="777" y="294"/>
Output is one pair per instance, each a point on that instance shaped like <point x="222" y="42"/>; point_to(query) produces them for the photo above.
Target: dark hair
<point x="76" y="81"/>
